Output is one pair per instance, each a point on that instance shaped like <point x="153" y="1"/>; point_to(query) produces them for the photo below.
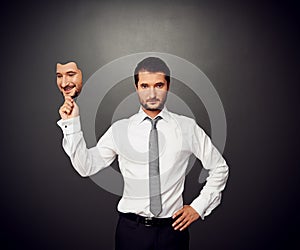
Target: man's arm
<point x="85" y="161"/>
<point x="210" y="195"/>
<point x="212" y="160"/>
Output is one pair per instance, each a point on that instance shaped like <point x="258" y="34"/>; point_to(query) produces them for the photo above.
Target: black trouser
<point x="132" y="235"/>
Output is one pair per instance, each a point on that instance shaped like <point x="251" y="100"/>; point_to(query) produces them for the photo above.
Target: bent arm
<point x="86" y="161"/>
<point x="212" y="160"/>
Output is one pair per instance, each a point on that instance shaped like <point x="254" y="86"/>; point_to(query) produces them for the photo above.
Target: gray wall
<point x="248" y="50"/>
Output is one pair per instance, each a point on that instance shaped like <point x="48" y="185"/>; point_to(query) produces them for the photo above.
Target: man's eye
<point x="59" y="76"/>
<point x="159" y="85"/>
<point x="143" y="86"/>
<point x="71" y="74"/>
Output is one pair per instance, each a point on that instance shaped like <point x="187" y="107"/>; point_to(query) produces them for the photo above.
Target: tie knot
<point x="154" y="121"/>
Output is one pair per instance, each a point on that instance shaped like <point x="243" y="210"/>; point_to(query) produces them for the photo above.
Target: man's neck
<point x="152" y="113"/>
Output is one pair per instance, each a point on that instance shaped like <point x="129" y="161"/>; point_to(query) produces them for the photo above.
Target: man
<point x="153" y="149"/>
<point x="69" y="79"/>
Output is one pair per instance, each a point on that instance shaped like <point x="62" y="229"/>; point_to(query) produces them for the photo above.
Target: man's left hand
<point x="185" y="217"/>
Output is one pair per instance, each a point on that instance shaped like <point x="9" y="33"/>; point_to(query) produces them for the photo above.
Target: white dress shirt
<point x="178" y="136"/>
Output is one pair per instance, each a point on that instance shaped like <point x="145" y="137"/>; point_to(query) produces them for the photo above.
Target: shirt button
<point x="66" y="126"/>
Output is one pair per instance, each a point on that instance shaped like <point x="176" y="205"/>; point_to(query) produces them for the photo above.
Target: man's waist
<point x="141" y="207"/>
<point x="147" y="221"/>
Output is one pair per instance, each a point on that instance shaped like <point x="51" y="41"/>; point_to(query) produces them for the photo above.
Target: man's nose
<point x="152" y="93"/>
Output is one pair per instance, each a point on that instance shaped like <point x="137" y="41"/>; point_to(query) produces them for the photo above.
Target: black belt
<point x="147" y="221"/>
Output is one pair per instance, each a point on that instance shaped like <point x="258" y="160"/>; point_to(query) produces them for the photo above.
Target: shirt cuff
<point x="70" y="126"/>
<point x="205" y="203"/>
<point x="199" y="207"/>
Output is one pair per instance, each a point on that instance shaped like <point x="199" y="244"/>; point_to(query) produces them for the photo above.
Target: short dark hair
<point x="153" y="65"/>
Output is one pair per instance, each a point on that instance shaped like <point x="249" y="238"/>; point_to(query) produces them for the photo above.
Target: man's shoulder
<point x="186" y="123"/>
<point x="124" y="121"/>
<point x="182" y="119"/>
<point x="120" y="122"/>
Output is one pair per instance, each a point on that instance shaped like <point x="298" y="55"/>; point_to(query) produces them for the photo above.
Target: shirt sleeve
<point x="86" y="161"/>
<point x="212" y="160"/>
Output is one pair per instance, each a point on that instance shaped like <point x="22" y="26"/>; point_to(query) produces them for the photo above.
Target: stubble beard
<point x="159" y="107"/>
<point x="146" y="106"/>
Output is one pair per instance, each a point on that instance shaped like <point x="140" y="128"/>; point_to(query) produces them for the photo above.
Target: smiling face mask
<point x="69" y="79"/>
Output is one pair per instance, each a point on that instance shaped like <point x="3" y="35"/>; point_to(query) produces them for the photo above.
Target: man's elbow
<point x="83" y="174"/>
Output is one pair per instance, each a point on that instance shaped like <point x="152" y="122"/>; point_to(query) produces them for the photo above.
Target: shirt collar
<point x="141" y="115"/>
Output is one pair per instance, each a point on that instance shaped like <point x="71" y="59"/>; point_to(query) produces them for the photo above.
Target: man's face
<point x="152" y="89"/>
<point x="69" y="79"/>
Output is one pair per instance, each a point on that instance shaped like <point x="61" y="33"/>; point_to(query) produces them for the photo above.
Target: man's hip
<point x="136" y="232"/>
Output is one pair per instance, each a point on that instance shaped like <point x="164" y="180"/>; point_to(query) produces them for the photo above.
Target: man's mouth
<point x="153" y="101"/>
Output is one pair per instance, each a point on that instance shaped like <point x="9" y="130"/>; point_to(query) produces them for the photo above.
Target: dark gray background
<point x="249" y="50"/>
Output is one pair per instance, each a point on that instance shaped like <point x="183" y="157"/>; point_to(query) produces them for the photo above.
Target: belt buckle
<point x="148" y="221"/>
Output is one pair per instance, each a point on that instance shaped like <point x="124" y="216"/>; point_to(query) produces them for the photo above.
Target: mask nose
<point x="64" y="81"/>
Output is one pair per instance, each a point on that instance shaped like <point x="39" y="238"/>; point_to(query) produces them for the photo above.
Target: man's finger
<point x="66" y="109"/>
<point x="179" y="212"/>
<point x="62" y="109"/>
<point x="180" y="219"/>
<point x="182" y="223"/>
<point x="69" y="102"/>
<point x="185" y="226"/>
<point x="69" y="98"/>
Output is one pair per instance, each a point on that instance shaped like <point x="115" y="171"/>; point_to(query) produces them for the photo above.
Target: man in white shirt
<point x="153" y="148"/>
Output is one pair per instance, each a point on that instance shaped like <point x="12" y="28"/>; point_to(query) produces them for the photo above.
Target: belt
<point x="147" y="221"/>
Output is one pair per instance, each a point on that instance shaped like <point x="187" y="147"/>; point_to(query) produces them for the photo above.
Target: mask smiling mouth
<point x="69" y="88"/>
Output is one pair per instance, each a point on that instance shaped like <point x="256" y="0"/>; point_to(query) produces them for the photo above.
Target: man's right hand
<point x="69" y="109"/>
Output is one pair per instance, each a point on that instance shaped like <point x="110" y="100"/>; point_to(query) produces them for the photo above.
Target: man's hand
<point x="69" y="109"/>
<point x="185" y="217"/>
